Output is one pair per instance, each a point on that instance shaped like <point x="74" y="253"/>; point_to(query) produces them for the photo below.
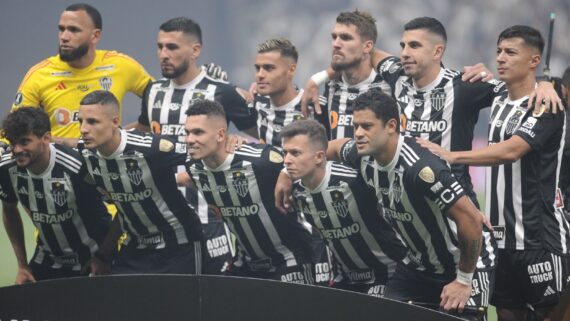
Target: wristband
<point x="101" y="257"/>
<point x="320" y="77"/>
<point x="286" y="172"/>
<point x="464" y="278"/>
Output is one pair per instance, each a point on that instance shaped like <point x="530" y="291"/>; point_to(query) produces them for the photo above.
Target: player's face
<point x="203" y="136"/>
<point x="77" y="35"/>
<point x="273" y="73"/>
<point x="30" y="149"/>
<point x="421" y="50"/>
<point x="97" y="126"/>
<point x="348" y="48"/>
<point x="176" y="52"/>
<point x="301" y="158"/>
<point x="516" y="60"/>
<point x="370" y="133"/>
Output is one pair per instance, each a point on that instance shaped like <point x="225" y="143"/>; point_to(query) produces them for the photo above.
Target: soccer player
<point x="240" y="187"/>
<point x="48" y="180"/>
<point x="524" y="153"/>
<point x="136" y="172"/>
<point x="57" y="84"/>
<point x="426" y="206"/>
<point x="163" y="112"/>
<point x="335" y="199"/>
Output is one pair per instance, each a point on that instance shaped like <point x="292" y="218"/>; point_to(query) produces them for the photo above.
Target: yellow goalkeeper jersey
<point x="58" y="88"/>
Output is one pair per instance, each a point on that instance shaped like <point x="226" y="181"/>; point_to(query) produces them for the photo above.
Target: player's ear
<point x="46" y="138"/>
<point x="292" y="68"/>
<point x="392" y="125"/>
<point x="321" y="157"/>
<point x="368" y="46"/>
<point x="439" y="50"/>
<point x="535" y="61"/>
<point x="196" y="50"/>
<point x="221" y="135"/>
<point x="95" y="36"/>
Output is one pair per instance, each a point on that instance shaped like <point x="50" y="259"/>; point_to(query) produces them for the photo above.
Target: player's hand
<point x="477" y="72"/>
<point x="454" y="296"/>
<point x="486" y="221"/>
<point x="215" y="71"/>
<point x="310" y="96"/>
<point x="436" y="149"/>
<point x="4" y="148"/>
<point x="283" y="189"/>
<point x="234" y="142"/>
<point x="545" y="99"/>
<point x="24" y="275"/>
<point x="253" y="89"/>
<point x="98" y="267"/>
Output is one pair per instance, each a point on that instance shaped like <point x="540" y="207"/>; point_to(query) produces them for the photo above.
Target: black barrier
<point x="196" y="298"/>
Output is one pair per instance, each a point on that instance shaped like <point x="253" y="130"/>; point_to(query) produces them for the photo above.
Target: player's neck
<point x="358" y="74"/>
<point x="315" y="179"/>
<point x="387" y="154"/>
<point x="84" y="61"/>
<point x="217" y="158"/>
<point x="112" y="145"/>
<point x="284" y="97"/>
<point x="427" y="77"/>
<point x="42" y="162"/>
<point x="524" y="87"/>
<point x="190" y="74"/>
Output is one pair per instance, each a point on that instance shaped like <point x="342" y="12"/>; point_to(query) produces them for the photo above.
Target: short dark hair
<point x="23" y="121"/>
<point x="383" y="106"/>
<point x="314" y="130"/>
<point x="566" y="78"/>
<point x="531" y="36"/>
<point x="93" y="13"/>
<point x="100" y="97"/>
<point x="363" y="21"/>
<point x="284" y="46"/>
<point x="205" y="107"/>
<point x="185" y="25"/>
<point x="430" y="24"/>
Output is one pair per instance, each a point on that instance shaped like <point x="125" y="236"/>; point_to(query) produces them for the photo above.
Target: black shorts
<point x="45" y="266"/>
<point x="529" y="278"/>
<point x="218" y="248"/>
<point x="181" y="259"/>
<point x="410" y="285"/>
<point x="291" y="272"/>
<point x="369" y="281"/>
<point x="43" y="272"/>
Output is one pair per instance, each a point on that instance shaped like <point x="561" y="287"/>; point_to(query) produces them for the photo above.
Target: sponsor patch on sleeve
<point x="165" y="145"/>
<point x="275" y="157"/>
<point x="427" y="175"/>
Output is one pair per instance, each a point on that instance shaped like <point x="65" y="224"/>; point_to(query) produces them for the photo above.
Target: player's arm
<point x="469" y="231"/>
<point x="100" y="263"/>
<point x="334" y="149"/>
<point x="69" y="142"/>
<point x="504" y="152"/>
<point x="183" y="179"/>
<point x="15" y="230"/>
<point x="142" y="123"/>
<point x="545" y="98"/>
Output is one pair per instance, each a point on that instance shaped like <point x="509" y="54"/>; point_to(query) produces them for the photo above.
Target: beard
<point x="340" y="66"/>
<point x="74" y="54"/>
<point x="176" y="72"/>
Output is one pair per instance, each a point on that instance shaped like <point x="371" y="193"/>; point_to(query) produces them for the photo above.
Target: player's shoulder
<point x="139" y="138"/>
<point x="108" y="56"/>
<point x="391" y="65"/>
<point x="260" y="153"/>
<point x="159" y="84"/>
<point x="339" y="169"/>
<point x="46" y="68"/>
<point x="68" y="158"/>
<point x="7" y="160"/>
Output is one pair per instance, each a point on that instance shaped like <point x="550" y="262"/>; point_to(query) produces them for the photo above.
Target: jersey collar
<point x="50" y="166"/>
<point x="120" y="149"/>
<point x="394" y="160"/>
<point x="324" y="183"/>
<point x="223" y="166"/>
<point x="190" y="84"/>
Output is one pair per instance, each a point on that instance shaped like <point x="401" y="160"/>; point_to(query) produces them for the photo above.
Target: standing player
<point x="58" y="83"/>
<point x="240" y="186"/>
<point x="426" y="206"/>
<point x="136" y="171"/>
<point x="163" y="111"/>
<point x="48" y="180"/>
<point x="335" y="200"/>
<point x="524" y="152"/>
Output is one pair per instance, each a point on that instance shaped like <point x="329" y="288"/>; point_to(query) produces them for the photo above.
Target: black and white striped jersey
<point x="242" y="190"/>
<point x="521" y="195"/>
<point x="340" y="98"/>
<point x="68" y="213"/>
<point x="415" y="190"/>
<point x="164" y="104"/>
<point x="444" y="112"/>
<point x="139" y="179"/>
<point x="271" y="119"/>
<point x="344" y="209"/>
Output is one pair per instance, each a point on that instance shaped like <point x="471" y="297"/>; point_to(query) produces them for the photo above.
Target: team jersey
<point x="521" y="195"/>
<point x="164" y="104"/>
<point x="241" y="190"/>
<point x="415" y="190"/>
<point x="343" y="209"/>
<point x="271" y="119"/>
<point x="139" y="179"/>
<point x="68" y="213"/>
<point x="340" y="98"/>
<point x="444" y="112"/>
<point x="58" y="88"/>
